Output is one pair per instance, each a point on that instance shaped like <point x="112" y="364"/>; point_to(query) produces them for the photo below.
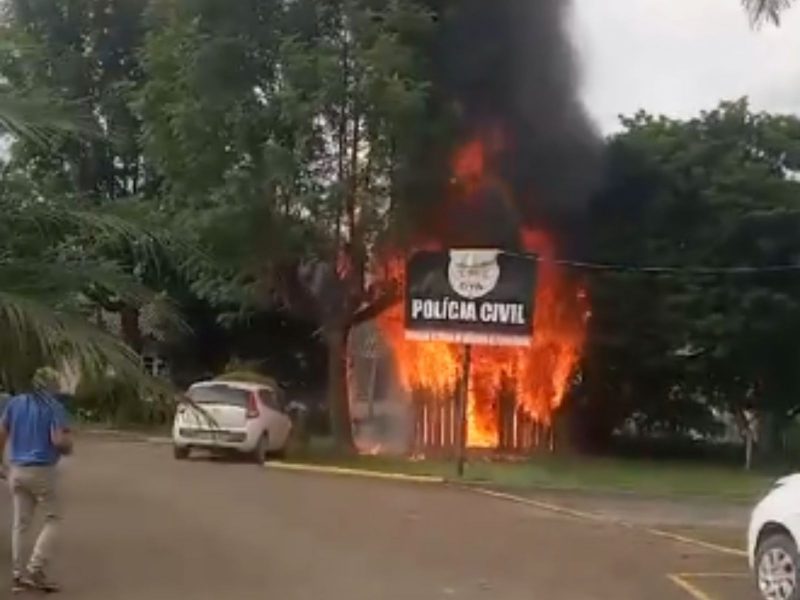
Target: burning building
<point x="517" y="182"/>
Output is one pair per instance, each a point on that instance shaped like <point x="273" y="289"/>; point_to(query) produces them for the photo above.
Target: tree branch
<point x="294" y="292"/>
<point x="385" y="300"/>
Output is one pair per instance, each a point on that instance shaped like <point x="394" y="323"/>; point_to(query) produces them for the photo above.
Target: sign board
<point x="468" y="296"/>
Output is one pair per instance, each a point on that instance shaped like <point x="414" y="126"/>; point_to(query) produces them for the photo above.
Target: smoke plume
<point x="510" y="67"/>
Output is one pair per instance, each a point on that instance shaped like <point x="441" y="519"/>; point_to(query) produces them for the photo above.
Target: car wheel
<point x="776" y="568"/>
<point x="262" y="450"/>
<point x="181" y="452"/>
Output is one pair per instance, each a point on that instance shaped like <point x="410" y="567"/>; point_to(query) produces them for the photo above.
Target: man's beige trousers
<point x="33" y="488"/>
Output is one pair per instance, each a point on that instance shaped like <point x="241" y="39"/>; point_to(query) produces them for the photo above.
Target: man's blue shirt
<point x="30" y="420"/>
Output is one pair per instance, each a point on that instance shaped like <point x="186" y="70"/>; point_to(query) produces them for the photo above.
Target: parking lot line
<point x="329" y="470"/>
<point x="713" y="575"/>
<point x="687" y="586"/>
<point x="738" y="552"/>
<point x="589" y="516"/>
<point x="684" y="581"/>
<point x="554" y="508"/>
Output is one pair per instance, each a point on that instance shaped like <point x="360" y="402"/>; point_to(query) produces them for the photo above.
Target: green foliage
<point x="38" y="120"/>
<point x="271" y="142"/>
<point x="45" y="272"/>
<point x="82" y="230"/>
<point x="766" y="10"/>
<point x="292" y="140"/>
<point x="43" y="294"/>
<point x="717" y="191"/>
<point x="248" y="377"/>
<point x="79" y="57"/>
<point x="116" y="402"/>
<point x="286" y="134"/>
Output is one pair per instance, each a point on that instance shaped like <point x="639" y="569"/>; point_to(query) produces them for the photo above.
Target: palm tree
<point x="42" y="290"/>
<point x="761" y="11"/>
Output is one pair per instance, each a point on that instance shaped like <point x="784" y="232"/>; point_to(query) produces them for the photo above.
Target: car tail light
<point x="252" y="406"/>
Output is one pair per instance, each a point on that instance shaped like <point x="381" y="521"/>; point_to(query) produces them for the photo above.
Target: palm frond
<point x="39" y="297"/>
<point x="54" y="280"/>
<point x="32" y="334"/>
<point x="40" y="120"/>
<point x="56" y="283"/>
<point x="762" y="11"/>
<point x="142" y="240"/>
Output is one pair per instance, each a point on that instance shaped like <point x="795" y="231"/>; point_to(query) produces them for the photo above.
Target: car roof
<point x="247" y="386"/>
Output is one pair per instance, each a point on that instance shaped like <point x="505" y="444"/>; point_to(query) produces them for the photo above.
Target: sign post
<point x="463" y="409"/>
<point x="470" y="297"/>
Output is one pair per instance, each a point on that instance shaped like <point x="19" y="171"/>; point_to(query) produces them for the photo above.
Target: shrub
<point x="248" y="377"/>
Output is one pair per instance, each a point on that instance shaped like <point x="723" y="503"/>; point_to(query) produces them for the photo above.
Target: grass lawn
<point x="652" y="478"/>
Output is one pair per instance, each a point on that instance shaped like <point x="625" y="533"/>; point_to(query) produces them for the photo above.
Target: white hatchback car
<point x="248" y="418"/>
<point x="772" y="541"/>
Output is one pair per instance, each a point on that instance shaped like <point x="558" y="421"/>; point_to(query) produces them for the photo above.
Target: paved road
<point x="141" y="526"/>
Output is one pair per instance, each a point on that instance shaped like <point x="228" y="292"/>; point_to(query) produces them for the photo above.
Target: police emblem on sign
<point x="468" y="296"/>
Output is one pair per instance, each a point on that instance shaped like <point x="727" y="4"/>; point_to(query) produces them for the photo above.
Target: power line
<point x="662" y="270"/>
<point x="678" y="270"/>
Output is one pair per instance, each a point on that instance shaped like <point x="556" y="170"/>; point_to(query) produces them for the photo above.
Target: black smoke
<point x="511" y="63"/>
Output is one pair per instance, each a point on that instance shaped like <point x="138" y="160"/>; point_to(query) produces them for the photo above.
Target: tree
<point x="295" y="162"/>
<point x="766" y="10"/>
<point x="715" y="202"/>
<point x="83" y="58"/>
<point x="41" y="292"/>
<point x="80" y="53"/>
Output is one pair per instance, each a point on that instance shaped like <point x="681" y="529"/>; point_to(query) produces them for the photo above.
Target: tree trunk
<point x="342" y="142"/>
<point x="770" y="436"/>
<point x="131" y="329"/>
<point x="352" y="196"/>
<point x="748" y="452"/>
<point x="338" y="401"/>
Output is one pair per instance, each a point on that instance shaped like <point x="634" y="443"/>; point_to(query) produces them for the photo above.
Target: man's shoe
<point x="37" y="580"/>
<point x="18" y="585"/>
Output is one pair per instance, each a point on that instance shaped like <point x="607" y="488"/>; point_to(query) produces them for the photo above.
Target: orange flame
<point x="539" y="376"/>
<point x="469" y="165"/>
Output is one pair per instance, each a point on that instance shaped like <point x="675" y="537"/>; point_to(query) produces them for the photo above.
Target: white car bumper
<point x="240" y="440"/>
<point x="757" y="521"/>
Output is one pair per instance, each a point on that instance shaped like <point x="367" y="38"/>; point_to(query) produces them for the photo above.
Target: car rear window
<point x="219" y="394"/>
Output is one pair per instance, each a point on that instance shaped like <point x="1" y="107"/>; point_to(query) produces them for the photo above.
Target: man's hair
<point x="46" y="379"/>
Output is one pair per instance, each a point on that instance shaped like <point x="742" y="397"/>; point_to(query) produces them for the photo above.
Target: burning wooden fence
<point x="389" y="417"/>
<point x="437" y="421"/>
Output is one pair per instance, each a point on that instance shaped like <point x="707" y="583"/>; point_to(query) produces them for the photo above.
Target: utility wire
<point x="659" y="270"/>
<point x="688" y="270"/>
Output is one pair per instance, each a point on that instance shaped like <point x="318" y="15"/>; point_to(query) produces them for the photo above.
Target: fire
<point x="538" y="377"/>
<point x="469" y="165"/>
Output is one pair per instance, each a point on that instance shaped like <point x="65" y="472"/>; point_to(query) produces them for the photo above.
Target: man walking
<point x="38" y="433"/>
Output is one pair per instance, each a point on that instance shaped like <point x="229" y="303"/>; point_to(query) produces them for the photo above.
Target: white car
<point x="772" y="541"/>
<point x="248" y="418"/>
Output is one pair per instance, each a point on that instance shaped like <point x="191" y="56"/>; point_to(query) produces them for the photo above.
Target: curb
<point x="364" y="473"/>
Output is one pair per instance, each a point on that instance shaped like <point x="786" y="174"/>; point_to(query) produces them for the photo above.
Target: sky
<point x="678" y="57"/>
